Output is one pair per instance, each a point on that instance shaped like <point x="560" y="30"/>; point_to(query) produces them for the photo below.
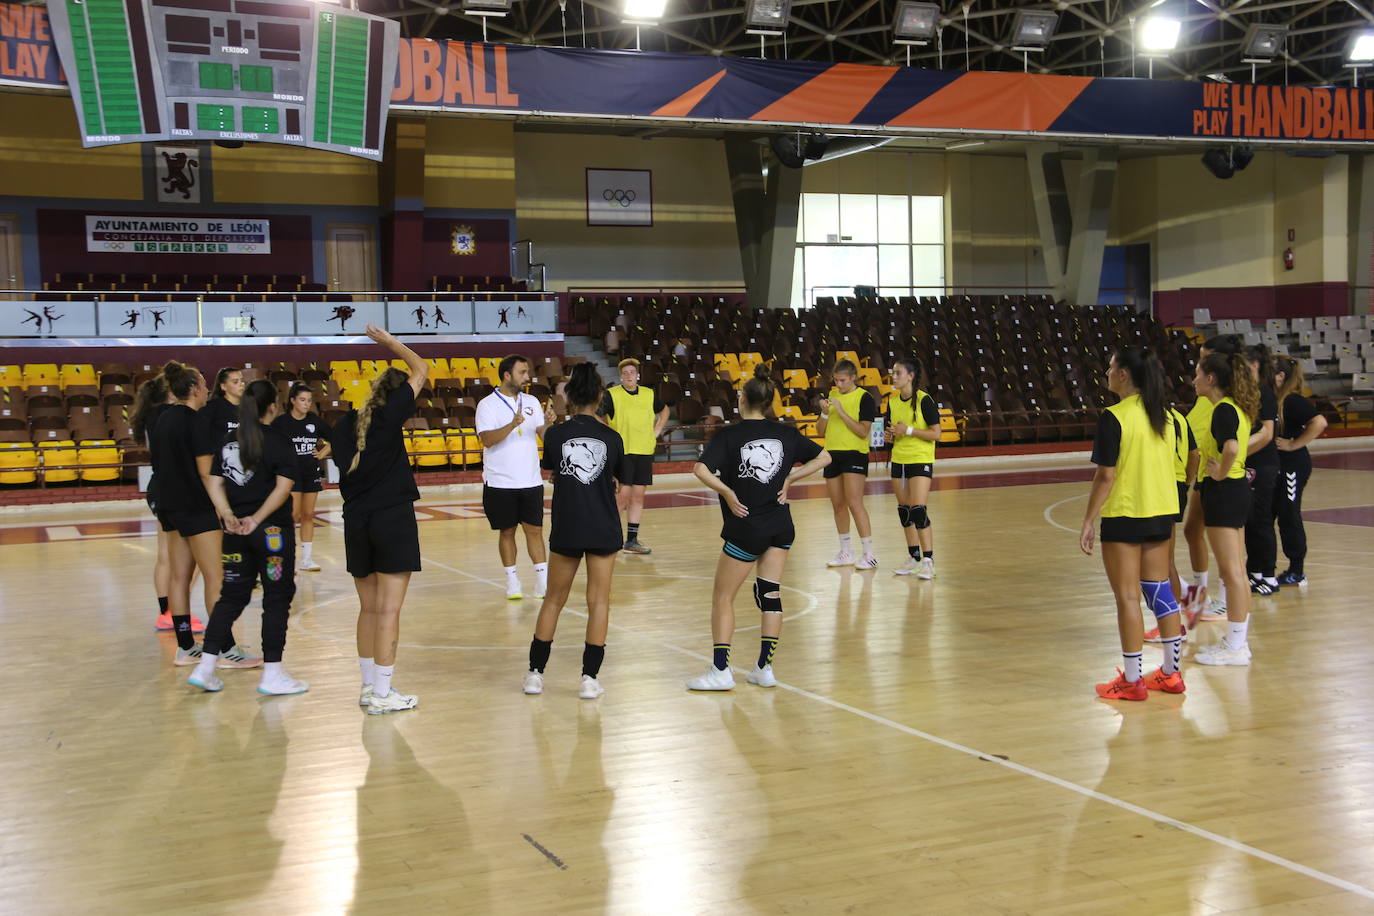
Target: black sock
<point x="162" y="605"/>
<point x="767" y="647"/>
<point x="539" y="653"/>
<point x="592" y="657"/>
<point x="720" y="656"/>
<point x="632" y="531"/>
<point x="930" y="554"/>
<point x="181" y="625"/>
<point x="915" y="551"/>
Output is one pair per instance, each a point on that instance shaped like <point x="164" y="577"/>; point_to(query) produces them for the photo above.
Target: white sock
<point x="271" y="671"/>
<point x="868" y="546"/>
<point x="381" y="687"/>
<point x="1272" y="580"/>
<point x="1200" y="579"/>
<point x="844" y="543"/>
<point x="1221" y="593"/>
<point x="541" y="569"/>
<point x="1236" y="633"/>
<point x="510" y="572"/>
<point x="206" y="666"/>
<point x="306" y="547"/>
<point x="1173" y="653"/>
<point x="369" y="670"/>
<point x="1132" y="671"/>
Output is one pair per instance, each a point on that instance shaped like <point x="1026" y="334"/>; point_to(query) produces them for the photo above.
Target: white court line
<point x="1049" y="512"/>
<point x="1112" y="800"/>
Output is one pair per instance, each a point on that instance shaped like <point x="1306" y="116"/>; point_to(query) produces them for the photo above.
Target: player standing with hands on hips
<point x="508" y="423"/>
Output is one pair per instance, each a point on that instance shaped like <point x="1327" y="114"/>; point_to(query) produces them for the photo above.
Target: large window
<point x="892" y="242"/>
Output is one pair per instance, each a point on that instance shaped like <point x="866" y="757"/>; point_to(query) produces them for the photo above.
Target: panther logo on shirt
<point x="760" y="459"/>
<point x="232" y="467"/>
<point x="584" y="459"/>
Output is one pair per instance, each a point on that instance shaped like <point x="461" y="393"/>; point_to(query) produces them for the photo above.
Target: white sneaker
<point x="867" y="561"/>
<point x="209" y="683"/>
<point x="395" y="701"/>
<point x="713" y="679"/>
<point x="843" y="558"/>
<point x="534" y="683"/>
<point x="763" y="676"/>
<point x="927" y="569"/>
<point x="591" y="688"/>
<point x="906" y="568"/>
<point x="1216" y="610"/>
<point x="365" y="696"/>
<point x="282" y="686"/>
<point x="187" y="657"/>
<point x="307" y="566"/>
<point x="513" y="591"/>
<point x="1223" y="653"/>
<point x="238" y="657"/>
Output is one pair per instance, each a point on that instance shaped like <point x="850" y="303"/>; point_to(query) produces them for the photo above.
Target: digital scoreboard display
<point x="280" y="71"/>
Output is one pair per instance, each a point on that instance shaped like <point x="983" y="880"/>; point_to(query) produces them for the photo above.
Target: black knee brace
<point x="904" y="516"/>
<point x="920" y="517"/>
<point x="767" y="596"/>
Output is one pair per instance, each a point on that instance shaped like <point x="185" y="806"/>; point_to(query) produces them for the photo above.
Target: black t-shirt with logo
<point x="247" y="490"/>
<point x="305" y="435"/>
<point x="584" y="455"/>
<point x="222" y="418"/>
<point x="1269" y="410"/>
<point x="180" y="435"/>
<point x="753" y="458"/>
<point x="384" y="477"/>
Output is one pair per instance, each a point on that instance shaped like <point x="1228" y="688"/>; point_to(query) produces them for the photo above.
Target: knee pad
<point x="920" y="517"/>
<point x="1160" y="598"/>
<point x="768" y="596"/>
<point x="904" y="516"/>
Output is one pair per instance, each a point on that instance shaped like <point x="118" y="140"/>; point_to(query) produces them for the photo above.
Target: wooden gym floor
<point x="934" y="747"/>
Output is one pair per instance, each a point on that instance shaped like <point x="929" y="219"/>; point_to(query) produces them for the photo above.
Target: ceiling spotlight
<point x="1158" y="35"/>
<point x="916" y="23"/>
<point x="645" y="12"/>
<point x="1224" y="162"/>
<point x="1361" y="50"/>
<point x="768" y="15"/>
<point x="1032" y="30"/>
<point x="1263" y="43"/>
<point x="486" y="7"/>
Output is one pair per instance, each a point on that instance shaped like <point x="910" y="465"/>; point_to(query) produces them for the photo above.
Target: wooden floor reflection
<point x="936" y="747"/>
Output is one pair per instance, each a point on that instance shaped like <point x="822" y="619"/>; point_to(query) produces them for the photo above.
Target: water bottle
<point x="875" y="435"/>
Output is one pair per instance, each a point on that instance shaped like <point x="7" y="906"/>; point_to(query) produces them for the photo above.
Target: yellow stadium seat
<point x="463" y="367"/>
<point x="356" y="391"/>
<point x="438" y="368"/>
<point x="466" y="447"/>
<point x="37" y="374"/>
<point x="371" y="368"/>
<point x="343" y="369"/>
<point x="794" y="413"/>
<point x="77" y="374"/>
<point x="777" y="403"/>
<point x="951" y="430"/>
<point x="747" y="362"/>
<point x="728" y="362"/>
<point x="429" y="448"/>
<point x="869" y="376"/>
<point x="98" y="451"/>
<point x="795" y="378"/>
<point x="61" y="455"/>
<point x="18" y="463"/>
<point x="851" y="355"/>
<point x="11" y="377"/>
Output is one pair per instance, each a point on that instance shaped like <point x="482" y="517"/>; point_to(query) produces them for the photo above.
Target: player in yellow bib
<point x="846" y="420"/>
<point x="1136" y="496"/>
<point x="912" y="428"/>
<point x="638" y="414"/>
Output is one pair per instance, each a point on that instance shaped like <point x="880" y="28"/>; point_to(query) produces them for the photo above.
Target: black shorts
<point x="1125" y="530"/>
<point x="506" y="508"/>
<point x="189" y="524"/>
<point x="846" y="463"/>
<point x="382" y="541"/>
<point x="746" y="545"/>
<point x="637" y="470"/>
<point x="577" y="553"/>
<point x="1226" y="503"/>
<point x="1182" y="498"/>
<point x="308" y="483"/>
<point x="901" y="471"/>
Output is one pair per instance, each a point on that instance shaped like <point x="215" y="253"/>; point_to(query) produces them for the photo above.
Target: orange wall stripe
<point x="833" y="97"/>
<point x="996" y="101"/>
<point x="682" y="106"/>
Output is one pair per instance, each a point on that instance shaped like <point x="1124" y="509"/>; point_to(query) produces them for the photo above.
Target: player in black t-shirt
<point x="584" y="456"/>
<point x="1262" y="467"/>
<point x="381" y="539"/>
<point x="1299" y="423"/>
<point x="252" y="474"/>
<point x="222" y="410"/>
<point x="749" y="464"/>
<point x="307" y="433"/>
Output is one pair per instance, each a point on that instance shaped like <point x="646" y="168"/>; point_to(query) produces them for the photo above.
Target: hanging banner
<point x="27" y="55"/>
<point x="178" y="235"/>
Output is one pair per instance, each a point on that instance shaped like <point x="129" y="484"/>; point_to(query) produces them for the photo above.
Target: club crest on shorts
<point x="584" y="459"/>
<point x="760" y="459"/>
<point x="276" y="567"/>
<point x="272" y="535"/>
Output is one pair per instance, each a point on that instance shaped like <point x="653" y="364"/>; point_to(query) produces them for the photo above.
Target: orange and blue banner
<point x="27" y="55"/>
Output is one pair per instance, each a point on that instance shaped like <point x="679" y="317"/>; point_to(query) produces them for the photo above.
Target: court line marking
<point x="1157" y="817"/>
<point x="1049" y="512"/>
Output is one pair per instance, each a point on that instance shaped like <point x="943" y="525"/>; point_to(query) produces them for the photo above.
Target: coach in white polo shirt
<point x="509" y="425"/>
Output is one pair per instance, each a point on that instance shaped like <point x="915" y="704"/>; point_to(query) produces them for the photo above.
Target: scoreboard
<point x="282" y="71"/>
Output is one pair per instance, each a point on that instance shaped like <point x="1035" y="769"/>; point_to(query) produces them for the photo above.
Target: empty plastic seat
<point x="59" y="458"/>
<point x="42" y="374"/>
<point x="428" y="449"/>
<point x="77" y="374"/>
<point x="18" y="463"/>
<point x="98" y="452"/>
<point x="465" y="446"/>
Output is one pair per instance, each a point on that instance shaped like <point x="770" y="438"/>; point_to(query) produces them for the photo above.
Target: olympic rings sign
<point x="618" y="197"/>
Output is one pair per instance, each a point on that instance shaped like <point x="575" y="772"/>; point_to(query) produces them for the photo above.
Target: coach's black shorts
<point x="189" y="524"/>
<point x="1124" y="530"/>
<point x="1182" y="498"/>
<point x="382" y="541"/>
<point x="577" y="553"/>
<point x="846" y="463"/>
<point x="907" y="471"/>
<point x="637" y="470"/>
<point x="1226" y="503"/>
<point x="506" y="508"/>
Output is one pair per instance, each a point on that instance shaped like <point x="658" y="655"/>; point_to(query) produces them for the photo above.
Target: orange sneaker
<point x="1122" y="689"/>
<point x="1169" y="683"/>
<point x="1153" y="635"/>
<point x="1194" y="603"/>
<point x="164" y="622"/>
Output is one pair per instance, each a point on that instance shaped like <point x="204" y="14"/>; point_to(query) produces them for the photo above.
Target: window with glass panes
<point x="893" y="242"/>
